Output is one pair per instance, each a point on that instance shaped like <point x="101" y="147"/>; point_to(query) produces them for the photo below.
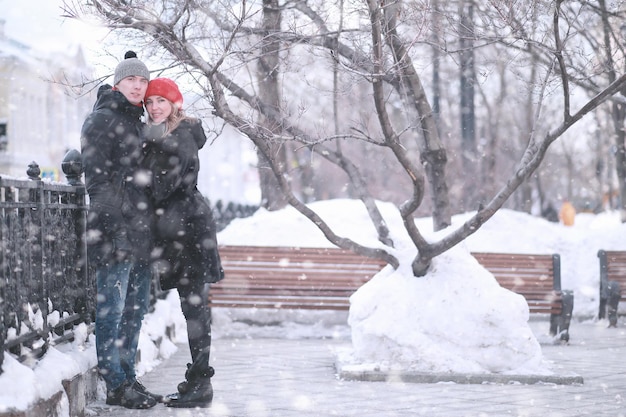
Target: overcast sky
<point x="40" y="25"/>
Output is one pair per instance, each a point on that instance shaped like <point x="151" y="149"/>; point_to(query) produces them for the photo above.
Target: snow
<point x="455" y="319"/>
<point x="22" y="384"/>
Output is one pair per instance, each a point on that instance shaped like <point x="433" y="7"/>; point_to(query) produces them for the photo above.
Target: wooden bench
<point x="538" y="279"/>
<point x="290" y="278"/>
<point x="324" y="279"/>
<point x="612" y="280"/>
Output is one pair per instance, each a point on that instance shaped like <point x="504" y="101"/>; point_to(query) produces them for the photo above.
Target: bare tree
<point x="592" y="57"/>
<point x="378" y="45"/>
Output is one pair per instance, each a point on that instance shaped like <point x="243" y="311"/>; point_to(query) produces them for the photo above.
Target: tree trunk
<point x="272" y="198"/>
<point x="618" y="112"/>
<point x="433" y="152"/>
<point x="468" y="117"/>
<point x="620" y="155"/>
<point x="436" y="22"/>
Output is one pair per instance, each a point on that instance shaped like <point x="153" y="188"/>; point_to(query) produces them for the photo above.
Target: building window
<point x="4" y="140"/>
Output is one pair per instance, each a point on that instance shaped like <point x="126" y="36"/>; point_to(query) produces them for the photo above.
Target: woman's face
<point x="159" y="108"/>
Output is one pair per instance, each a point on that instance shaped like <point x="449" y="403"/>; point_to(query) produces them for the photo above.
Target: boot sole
<point x="132" y="406"/>
<point x="188" y="404"/>
<point x="140" y="407"/>
<point x="143" y="406"/>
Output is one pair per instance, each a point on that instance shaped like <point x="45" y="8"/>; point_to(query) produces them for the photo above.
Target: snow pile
<point x="456" y="319"/>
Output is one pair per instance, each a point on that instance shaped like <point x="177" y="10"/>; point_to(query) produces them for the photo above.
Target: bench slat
<point x="274" y="253"/>
<point x="275" y="287"/>
<point x="301" y="304"/>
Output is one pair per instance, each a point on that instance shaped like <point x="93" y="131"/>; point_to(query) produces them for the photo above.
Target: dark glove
<point x="122" y="249"/>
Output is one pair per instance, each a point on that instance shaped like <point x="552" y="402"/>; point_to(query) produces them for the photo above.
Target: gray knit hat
<point x="130" y="66"/>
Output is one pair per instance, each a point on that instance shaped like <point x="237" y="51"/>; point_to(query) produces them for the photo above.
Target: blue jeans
<point x="123" y="297"/>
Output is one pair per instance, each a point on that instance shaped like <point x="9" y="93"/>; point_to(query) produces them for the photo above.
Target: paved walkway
<point x="289" y="378"/>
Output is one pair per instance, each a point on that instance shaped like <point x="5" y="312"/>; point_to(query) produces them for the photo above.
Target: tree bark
<point x="268" y="64"/>
<point x="433" y="153"/>
<point x="468" y="117"/>
<point x="618" y="113"/>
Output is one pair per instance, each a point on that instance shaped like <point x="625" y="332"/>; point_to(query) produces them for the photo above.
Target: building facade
<point x="41" y="107"/>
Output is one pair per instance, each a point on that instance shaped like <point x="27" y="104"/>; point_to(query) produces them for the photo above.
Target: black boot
<point x="181" y="388"/>
<point x="199" y="366"/>
<point x="128" y="396"/>
<point x="196" y="391"/>
<point x="138" y="386"/>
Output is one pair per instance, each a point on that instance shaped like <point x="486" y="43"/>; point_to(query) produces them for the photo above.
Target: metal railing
<point x="46" y="287"/>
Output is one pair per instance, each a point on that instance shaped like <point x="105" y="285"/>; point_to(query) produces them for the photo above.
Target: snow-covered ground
<point x="455" y="319"/>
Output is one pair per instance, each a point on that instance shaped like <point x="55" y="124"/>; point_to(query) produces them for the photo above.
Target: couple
<point x="146" y="215"/>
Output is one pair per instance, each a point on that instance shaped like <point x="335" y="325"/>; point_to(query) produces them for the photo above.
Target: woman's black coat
<point x="184" y="231"/>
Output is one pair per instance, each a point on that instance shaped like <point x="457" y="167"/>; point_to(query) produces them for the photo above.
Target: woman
<point x="185" y="245"/>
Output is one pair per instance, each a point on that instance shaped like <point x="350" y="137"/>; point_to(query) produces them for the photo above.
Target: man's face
<point x="133" y="88"/>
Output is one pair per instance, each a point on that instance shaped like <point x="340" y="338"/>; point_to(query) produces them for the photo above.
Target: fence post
<point x="72" y="167"/>
<point x="39" y="270"/>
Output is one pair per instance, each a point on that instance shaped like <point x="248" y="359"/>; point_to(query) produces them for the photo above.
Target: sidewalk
<point x="289" y="378"/>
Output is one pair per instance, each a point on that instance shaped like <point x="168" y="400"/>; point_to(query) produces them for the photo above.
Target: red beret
<point x="166" y="88"/>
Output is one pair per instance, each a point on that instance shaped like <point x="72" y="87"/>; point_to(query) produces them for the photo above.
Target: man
<point x="111" y="149"/>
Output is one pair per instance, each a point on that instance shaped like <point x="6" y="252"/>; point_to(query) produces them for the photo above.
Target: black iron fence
<point x="46" y="288"/>
<point x="46" y="285"/>
<point x="224" y="213"/>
